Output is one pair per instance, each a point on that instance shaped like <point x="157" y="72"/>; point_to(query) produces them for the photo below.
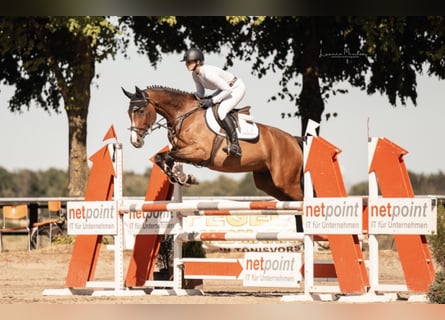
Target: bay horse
<point x="275" y="158"/>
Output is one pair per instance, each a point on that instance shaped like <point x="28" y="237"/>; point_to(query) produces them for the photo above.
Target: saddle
<point x="245" y="127"/>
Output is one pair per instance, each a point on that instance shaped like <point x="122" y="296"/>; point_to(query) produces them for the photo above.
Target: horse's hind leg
<point x="264" y="181"/>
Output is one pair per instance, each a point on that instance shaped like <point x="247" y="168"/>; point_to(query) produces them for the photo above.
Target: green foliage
<point x="221" y="186"/>
<point x="246" y="187"/>
<point x="156" y="36"/>
<point x="6" y="189"/>
<point x="436" y="292"/>
<point x="165" y="254"/>
<point x="359" y="189"/>
<point x="225" y="186"/>
<point x="48" y="58"/>
<point x="63" y="239"/>
<point x="378" y="54"/>
<point x="423" y="184"/>
<point x="53" y="183"/>
<point x="135" y="184"/>
<point x="437" y="241"/>
<point x="27" y="183"/>
<point x="193" y="249"/>
<point x="428" y="183"/>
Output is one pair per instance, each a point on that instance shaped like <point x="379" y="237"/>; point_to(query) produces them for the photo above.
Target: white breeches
<point x="231" y="101"/>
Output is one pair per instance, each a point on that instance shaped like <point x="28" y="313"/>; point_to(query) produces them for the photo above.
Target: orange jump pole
<point x="327" y="181"/>
<point x="146" y="247"/>
<point x="389" y="168"/>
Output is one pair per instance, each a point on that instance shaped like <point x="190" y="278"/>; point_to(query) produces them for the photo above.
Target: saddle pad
<point x="247" y="129"/>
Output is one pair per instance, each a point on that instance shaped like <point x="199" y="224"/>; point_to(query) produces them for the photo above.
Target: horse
<point x="274" y="157"/>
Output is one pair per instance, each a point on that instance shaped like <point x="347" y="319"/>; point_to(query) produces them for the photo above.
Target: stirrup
<point x="233" y="150"/>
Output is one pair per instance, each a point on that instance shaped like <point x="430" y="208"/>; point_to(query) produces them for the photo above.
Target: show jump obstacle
<point x="333" y="216"/>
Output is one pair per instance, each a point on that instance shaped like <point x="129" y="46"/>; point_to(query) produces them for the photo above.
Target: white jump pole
<point x="373" y="244"/>
<point x="118" y="285"/>
<point x="119" y="238"/>
<point x="178" y="271"/>
<point x="308" y="239"/>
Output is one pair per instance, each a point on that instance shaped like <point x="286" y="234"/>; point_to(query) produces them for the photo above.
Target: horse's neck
<point x="172" y="109"/>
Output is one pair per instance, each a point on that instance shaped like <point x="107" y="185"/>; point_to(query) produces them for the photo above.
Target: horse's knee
<point x="169" y="160"/>
<point x="159" y="159"/>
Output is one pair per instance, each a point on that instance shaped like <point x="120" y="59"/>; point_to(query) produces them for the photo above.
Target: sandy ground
<point x="25" y="275"/>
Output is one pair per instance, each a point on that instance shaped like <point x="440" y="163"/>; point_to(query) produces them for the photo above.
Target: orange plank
<point x="146" y="247"/>
<point x="213" y="268"/>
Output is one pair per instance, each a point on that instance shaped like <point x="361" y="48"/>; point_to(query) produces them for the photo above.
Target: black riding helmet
<point x="193" y="54"/>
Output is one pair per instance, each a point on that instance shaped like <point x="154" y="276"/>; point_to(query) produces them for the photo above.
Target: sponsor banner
<point x="241" y="223"/>
<point x="333" y="215"/>
<point x="92" y="217"/>
<point x="162" y="222"/>
<point x="402" y="216"/>
<point x="253" y="223"/>
<point x="272" y="269"/>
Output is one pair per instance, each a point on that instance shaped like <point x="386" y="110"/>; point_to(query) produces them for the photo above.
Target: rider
<point x="229" y="92"/>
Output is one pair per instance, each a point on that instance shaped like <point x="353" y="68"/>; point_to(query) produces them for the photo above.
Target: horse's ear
<point x="140" y="93"/>
<point x="128" y="94"/>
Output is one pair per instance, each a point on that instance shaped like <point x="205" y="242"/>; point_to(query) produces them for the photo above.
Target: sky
<point x="36" y="140"/>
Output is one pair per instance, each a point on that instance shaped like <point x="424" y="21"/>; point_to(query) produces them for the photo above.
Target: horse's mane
<point x="171" y="90"/>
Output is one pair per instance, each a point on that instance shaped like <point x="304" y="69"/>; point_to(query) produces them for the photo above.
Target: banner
<point x="246" y="223"/>
<point x="402" y="216"/>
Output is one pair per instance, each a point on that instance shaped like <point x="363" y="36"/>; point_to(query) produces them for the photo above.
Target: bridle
<point x="173" y="131"/>
<point x="141" y="132"/>
<point x="135" y="106"/>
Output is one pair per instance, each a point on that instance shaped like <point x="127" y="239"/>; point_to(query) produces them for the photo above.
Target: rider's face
<point x="190" y="65"/>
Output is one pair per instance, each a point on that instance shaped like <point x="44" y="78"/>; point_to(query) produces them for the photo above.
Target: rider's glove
<point x="206" y="103"/>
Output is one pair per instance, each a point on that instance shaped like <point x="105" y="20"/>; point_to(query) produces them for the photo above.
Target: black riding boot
<point x="234" y="148"/>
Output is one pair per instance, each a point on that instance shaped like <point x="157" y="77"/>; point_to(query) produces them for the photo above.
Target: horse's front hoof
<point x="185" y="180"/>
<point x="191" y="179"/>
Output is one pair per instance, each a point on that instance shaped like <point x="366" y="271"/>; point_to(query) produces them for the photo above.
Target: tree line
<point x="53" y="183"/>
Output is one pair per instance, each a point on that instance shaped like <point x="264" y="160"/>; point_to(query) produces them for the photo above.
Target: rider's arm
<point x="200" y="90"/>
<point x="224" y="89"/>
<point x="215" y="93"/>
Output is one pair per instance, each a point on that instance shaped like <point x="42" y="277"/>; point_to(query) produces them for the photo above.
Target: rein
<point x="175" y="129"/>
